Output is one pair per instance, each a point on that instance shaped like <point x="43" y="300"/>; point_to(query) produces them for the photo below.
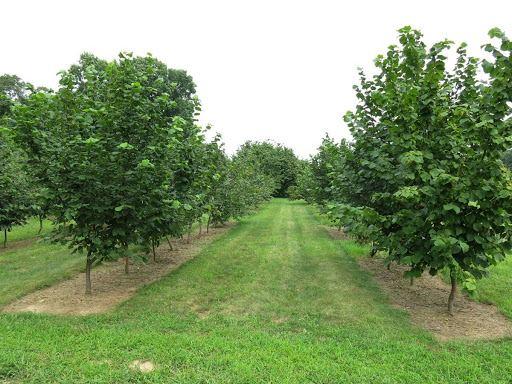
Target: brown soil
<point x="426" y="303"/>
<point x="337" y="235"/>
<point x="110" y="284"/>
<point x="12" y="245"/>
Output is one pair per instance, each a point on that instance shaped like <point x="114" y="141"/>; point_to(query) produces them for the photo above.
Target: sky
<point x="265" y="70"/>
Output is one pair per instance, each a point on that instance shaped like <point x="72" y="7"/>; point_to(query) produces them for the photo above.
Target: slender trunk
<point x="153" y="248"/>
<point x="88" y="267"/>
<point x="208" y="223"/>
<point x="451" y="298"/>
<point x="200" y="226"/>
<point x="339" y="226"/>
<point x="126" y="265"/>
<point x="373" y="252"/>
<point x="40" y="224"/>
<point x="169" y="242"/>
<point x="189" y="232"/>
<point x="5" y="237"/>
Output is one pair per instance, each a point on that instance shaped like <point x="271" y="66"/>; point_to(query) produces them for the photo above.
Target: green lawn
<point x="497" y="287"/>
<point x="25" y="232"/>
<point x="275" y="300"/>
<point x="29" y="263"/>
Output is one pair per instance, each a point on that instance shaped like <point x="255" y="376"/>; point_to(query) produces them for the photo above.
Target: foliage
<point x="15" y="199"/>
<point x="12" y="90"/>
<point x="274" y="160"/>
<point x="327" y="170"/>
<point x="305" y="185"/>
<point x="507" y="158"/>
<point x="106" y="138"/>
<point x="119" y="159"/>
<point x="427" y="156"/>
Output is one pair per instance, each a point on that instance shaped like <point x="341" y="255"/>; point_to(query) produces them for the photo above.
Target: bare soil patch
<point x="110" y="284"/>
<point x="337" y="235"/>
<point x="16" y="244"/>
<point x="426" y="303"/>
<point x="143" y="366"/>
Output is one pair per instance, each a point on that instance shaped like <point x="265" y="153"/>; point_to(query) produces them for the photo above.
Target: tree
<point x="15" y="202"/>
<point x="12" y="90"/>
<point x="273" y="160"/>
<point x="327" y="171"/>
<point x="426" y="160"/>
<point x="107" y="138"/>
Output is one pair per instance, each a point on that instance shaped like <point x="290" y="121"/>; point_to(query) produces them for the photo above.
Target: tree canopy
<point x="275" y="161"/>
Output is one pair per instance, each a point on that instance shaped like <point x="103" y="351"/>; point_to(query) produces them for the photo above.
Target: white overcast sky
<point x="279" y="70"/>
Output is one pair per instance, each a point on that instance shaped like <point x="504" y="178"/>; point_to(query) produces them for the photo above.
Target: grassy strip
<point x="275" y="300"/>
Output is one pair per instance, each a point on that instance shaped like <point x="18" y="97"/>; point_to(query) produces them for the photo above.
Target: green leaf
<point x="91" y="141"/>
<point x="464" y="246"/>
<point x="125" y="146"/>
<point x="496" y="32"/>
<point x="452" y="207"/>
<point x="146" y="164"/>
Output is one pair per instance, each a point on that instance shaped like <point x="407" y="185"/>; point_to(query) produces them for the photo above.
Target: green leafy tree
<point x="426" y="162"/>
<point x="12" y="91"/>
<point x="304" y="184"/>
<point x="15" y="199"/>
<point x="216" y="189"/>
<point x="327" y="171"/>
<point x="273" y="160"/>
<point x="105" y="137"/>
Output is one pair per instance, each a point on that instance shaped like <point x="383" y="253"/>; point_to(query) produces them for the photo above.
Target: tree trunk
<point x="451" y="298"/>
<point x="339" y="227"/>
<point x="208" y="223"/>
<point x="126" y="265"/>
<point x="5" y="237"/>
<point x="200" y="226"/>
<point x="88" y="267"/>
<point x="189" y="232"/>
<point x="169" y="242"/>
<point x="153" y="248"/>
<point x="40" y="224"/>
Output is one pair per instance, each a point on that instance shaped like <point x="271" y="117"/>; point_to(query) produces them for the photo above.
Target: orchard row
<point x="115" y="158"/>
<point x="423" y="179"/>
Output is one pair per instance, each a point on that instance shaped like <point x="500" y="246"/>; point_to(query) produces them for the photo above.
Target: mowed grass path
<point x="275" y="300"/>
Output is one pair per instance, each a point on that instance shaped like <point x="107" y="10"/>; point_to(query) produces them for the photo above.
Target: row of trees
<point x="114" y="158"/>
<point x="423" y="178"/>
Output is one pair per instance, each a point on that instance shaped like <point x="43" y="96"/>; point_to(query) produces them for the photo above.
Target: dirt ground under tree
<point x="426" y="303"/>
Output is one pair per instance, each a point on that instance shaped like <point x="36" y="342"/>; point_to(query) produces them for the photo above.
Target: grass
<point x="29" y="263"/>
<point x="497" y="287"/>
<point x="274" y="300"/>
<point x="27" y="231"/>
